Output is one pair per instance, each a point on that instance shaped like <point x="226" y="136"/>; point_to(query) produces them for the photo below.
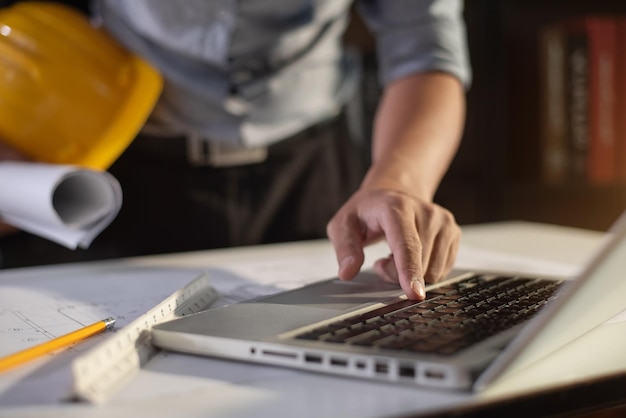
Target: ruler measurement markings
<point x="106" y="368"/>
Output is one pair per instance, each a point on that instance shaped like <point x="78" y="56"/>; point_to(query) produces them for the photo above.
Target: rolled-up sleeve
<point x="416" y="36"/>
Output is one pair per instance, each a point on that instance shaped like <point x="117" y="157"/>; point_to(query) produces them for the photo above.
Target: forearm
<point x="417" y="131"/>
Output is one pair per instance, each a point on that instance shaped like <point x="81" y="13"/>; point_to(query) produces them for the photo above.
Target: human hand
<point x="8" y="153"/>
<point x="423" y="238"/>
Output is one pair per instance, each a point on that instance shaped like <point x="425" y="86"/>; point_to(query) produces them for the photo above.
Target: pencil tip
<point x="109" y="322"/>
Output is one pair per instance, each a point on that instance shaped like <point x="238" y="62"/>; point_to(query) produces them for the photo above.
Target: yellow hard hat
<point x="69" y="93"/>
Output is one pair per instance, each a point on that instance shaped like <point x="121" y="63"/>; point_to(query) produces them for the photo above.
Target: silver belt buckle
<point x="201" y="152"/>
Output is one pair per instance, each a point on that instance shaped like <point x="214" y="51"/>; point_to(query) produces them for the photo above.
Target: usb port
<point x="312" y="358"/>
<point x="338" y="362"/>
<point x="406" y="371"/>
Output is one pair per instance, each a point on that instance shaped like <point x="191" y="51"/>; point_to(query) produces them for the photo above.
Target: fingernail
<point x="417" y="284"/>
<point x="345" y="263"/>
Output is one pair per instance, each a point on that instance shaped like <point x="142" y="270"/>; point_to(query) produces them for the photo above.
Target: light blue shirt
<point x="252" y="72"/>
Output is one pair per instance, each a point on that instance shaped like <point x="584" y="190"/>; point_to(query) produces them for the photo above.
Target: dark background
<point x="495" y="175"/>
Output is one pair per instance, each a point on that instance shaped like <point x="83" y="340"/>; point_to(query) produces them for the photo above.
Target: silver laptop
<point x="471" y="329"/>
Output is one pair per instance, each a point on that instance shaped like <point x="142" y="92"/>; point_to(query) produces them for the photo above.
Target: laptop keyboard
<point x="450" y="319"/>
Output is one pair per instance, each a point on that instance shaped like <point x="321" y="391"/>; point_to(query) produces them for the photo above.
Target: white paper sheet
<point x="472" y="258"/>
<point x="65" y="204"/>
<point x="39" y="304"/>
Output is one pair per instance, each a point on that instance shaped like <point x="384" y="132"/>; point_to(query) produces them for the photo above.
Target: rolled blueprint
<point x="63" y="203"/>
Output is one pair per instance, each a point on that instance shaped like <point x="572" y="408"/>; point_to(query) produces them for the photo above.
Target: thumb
<point x="348" y="244"/>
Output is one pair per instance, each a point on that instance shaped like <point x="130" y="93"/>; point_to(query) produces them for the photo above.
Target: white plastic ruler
<point x="106" y="368"/>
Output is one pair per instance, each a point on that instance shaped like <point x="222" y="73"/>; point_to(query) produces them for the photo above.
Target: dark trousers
<point x="172" y="206"/>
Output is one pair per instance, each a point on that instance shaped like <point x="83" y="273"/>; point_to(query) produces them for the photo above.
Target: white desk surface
<point x="173" y="385"/>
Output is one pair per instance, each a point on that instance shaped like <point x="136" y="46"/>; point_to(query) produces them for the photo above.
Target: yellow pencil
<point x="23" y="356"/>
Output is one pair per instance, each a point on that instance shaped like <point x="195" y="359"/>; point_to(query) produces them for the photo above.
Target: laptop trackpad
<point x="249" y="321"/>
<point x="336" y="294"/>
<point x="268" y="316"/>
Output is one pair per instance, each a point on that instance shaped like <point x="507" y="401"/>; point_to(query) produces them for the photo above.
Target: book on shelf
<point x="579" y="92"/>
<point x="620" y="103"/>
<point x="554" y="161"/>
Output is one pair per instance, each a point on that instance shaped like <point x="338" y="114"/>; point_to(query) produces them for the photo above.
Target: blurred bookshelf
<point x="497" y="174"/>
